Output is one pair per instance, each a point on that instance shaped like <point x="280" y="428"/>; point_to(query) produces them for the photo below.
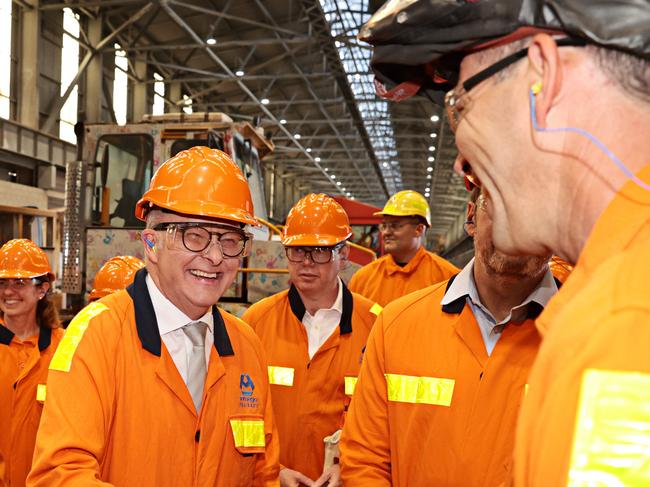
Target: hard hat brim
<point x="313" y="240"/>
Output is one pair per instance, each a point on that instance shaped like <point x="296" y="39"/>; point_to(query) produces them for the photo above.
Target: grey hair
<point x="630" y="73"/>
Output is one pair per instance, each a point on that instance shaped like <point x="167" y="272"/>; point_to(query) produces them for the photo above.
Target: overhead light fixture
<point x="431" y="158"/>
<point x="239" y="73"/>
<point x="333" y="176"/>
<point x="211" y="41"/>
<point x="317" y="159"/>
<point x="428" y="176"/>
<point x="308" y="149"/>
<point x="264" y="101"/>
<point x="433" y="135"/>
<point x="432" y="148"/>
<point x="297" y="136"/>
<point x="351" y="197"/>
<point x="338" y="183"/>
<point x="435" y="118"/>
<point x="326" y="169"/>
<point x="357" y="76"/>
<point x="283" y="122"/>
<point x="429" y="169"/>
<point x="385" y="164"/>
<point x="342" y="189"/>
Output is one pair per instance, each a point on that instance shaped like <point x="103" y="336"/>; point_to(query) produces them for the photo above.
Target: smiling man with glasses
<point x="154" y="385"/>
<point x="550" y="105"/>
<point x="407" y="266"/>
<point x="314" y="335"/>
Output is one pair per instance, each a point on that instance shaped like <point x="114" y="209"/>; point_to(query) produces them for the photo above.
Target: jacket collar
<point x="147" y="326"/>
<point x="458" y="296"/>
<point x="44" y="337"/>
<point x="298" y="307"/>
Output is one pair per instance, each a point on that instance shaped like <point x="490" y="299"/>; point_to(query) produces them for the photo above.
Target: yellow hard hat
<point x="407" y="203"/>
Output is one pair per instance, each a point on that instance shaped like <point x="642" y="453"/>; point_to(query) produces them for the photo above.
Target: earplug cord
<point x="594" y="140"/>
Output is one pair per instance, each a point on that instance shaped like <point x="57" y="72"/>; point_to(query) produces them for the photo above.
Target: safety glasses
<point x="198" y="237"/>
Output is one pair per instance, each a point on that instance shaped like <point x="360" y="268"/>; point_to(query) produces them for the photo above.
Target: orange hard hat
<point x="117" y="273"/>
<point x="200" y="182"/>
<point x="23" y="259"/>
<point x="316" y="220"/>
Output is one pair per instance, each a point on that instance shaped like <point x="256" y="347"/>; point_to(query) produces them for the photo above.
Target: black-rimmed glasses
<point x="197" y="237"/>
<point x="318" y="255"/>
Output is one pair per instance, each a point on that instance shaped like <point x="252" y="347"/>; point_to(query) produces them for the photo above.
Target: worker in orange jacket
<point x="444" y="373"/>
<point x="407" y="266"/>
<point x="116" y="273"/>
<point x="154" y="385"/>
<point x="29" y="334"/>
<point x="549" y="101"/>
<point x="314" y="335"/>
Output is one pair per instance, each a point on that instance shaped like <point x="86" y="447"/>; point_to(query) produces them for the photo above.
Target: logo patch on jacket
<point x="247" y="388"/>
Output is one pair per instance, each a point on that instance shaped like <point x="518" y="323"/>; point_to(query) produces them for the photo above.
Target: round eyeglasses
<point x="318" y="255"/>
<point x="197" y="237"/>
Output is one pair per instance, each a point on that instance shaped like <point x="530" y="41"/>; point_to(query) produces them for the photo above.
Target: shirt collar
<point x="168" y="316"/>
<point x="147" y="326"/>
<point x="463" y="286"/>
<point x="344" y="303"/>
<point x="338" y="302"/>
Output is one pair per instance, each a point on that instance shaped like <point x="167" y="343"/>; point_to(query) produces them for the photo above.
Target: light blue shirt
<point x="491" y="330"/>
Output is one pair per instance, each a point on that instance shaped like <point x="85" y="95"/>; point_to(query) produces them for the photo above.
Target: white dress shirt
<point x="491" y="330"/>
<point x="171" y="320"/>
<point x="321" y="326"/>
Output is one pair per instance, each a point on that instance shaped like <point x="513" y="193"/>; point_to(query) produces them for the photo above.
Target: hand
<point x="291" y="478"/>
<point x="330" y="478"/>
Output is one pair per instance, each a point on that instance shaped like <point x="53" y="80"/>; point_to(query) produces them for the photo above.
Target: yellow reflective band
<point x="350" y="384"/>
<point x="248" y="433"/>
<point x="611" y="446"/>
<point x="62" y="359"/>
<point x="419" y="390"/>
<point x="41" y="390"/>
<point x="525" y="390"/>
<point x="376" y="309"/>
<point x="280" y="376"/>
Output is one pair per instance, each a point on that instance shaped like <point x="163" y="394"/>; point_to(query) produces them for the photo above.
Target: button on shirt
<point x="171" y="320"/>
<point x="491" y="330"/>
<point x="322" y="324"/>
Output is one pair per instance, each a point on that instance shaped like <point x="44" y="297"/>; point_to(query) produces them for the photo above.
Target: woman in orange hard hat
<point x="29" y="334"/>
<point x="117" y="273"/>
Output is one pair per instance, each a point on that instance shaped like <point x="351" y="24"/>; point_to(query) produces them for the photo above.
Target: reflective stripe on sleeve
<point x="41" y="391"/>
<point x="376" y="309"/>
<point x="350" y="384"/>
<point x="419" y="390"/>
<point x="62" y="359"/>
<point x="611" y="443"/>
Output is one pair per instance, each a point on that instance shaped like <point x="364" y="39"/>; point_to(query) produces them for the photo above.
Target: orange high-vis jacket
<point x="23" y="372"/>
<point x="431" y="408"/>
<point x="310" y="396"/>
<point x="383" y="281"/>
<point x="118" y="412"/>
<point x="586" y="415"/>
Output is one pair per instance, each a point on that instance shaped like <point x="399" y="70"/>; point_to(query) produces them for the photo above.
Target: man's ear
<point x="470" y="223"/>
<point x="546" y="77"/>
<point x="149" y="240"/>
<point x="344" y="256"/>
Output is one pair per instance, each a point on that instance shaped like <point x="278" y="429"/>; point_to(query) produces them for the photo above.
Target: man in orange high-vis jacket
<point x="407" y="266"/>
<point x="154" y="385"/>
<point x="29" y="334"/>
<point x="444" y="373"/>
<point x="550" y="104"/>
<point x="313" y="335"/>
